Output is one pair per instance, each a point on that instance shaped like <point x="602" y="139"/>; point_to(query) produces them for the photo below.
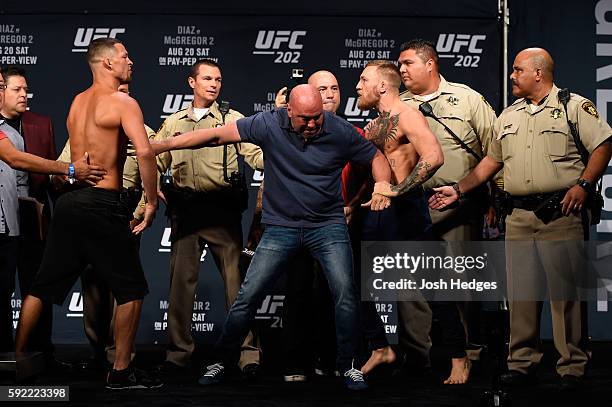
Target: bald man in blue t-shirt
<point x="305" y="150"/>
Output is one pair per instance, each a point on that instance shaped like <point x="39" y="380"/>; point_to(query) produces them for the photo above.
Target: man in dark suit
<point x="37" y="132"/>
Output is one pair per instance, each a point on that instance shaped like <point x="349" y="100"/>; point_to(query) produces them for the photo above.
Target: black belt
<point x="537" y="201"/>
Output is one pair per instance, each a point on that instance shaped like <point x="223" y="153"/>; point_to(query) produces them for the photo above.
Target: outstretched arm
<point x="446" y="195"/>
<point x="216" y="136"/>
<point x="28" y="162"/>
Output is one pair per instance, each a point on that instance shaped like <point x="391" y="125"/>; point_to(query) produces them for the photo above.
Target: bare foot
<point x="378" y="357"/>
<point x="460" y="371"/>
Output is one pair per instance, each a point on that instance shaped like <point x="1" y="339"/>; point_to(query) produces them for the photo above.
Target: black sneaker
<point x="213" y="374"/>
<point x="131" y="378"/>
<point x="353" y="380"/>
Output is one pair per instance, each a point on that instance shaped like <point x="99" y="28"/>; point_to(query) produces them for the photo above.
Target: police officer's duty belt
<point x="535" y="202"/>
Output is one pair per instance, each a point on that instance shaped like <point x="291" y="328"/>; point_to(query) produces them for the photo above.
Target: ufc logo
<point x="84" y="36"/>
<point x="351" y="109"/>
<point x="353" y="113"/>
<point x="258" y="177"/>
<point x="166" y="244"/>
<point x="448" y="43"/>
<point x="270" y="306"/>
<point x="274" y="39"/>
<point x="174" y="103"/>
<point x="75" y="307"/>
<point x="76" y="302"/>
<point x="165" y="241"/>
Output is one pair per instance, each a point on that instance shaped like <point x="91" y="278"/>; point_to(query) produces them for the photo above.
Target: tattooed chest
<point x="382" y="131"/>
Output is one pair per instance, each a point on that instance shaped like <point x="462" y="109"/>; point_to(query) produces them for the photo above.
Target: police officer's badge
<point x="453" y="100"/>
<point x="590" y="109"/>
<point x="556" y="113"/>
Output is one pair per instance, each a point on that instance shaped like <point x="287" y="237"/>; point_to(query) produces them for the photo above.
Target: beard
<point x="127" y="78"/>
<point x="366" y="103"/>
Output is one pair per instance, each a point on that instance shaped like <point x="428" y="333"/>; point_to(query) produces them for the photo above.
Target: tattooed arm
<point x="421" y="173"/>
<point x="415" y="127"/>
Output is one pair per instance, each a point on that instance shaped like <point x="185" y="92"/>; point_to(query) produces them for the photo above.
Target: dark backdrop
<point x="257" y="45"/>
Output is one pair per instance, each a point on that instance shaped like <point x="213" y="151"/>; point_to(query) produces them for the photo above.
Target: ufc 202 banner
<point x="256" y="55"/>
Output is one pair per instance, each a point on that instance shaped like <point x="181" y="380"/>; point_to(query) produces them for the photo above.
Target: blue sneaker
<point x="353" y="380"/>
<point x="212" y="375"/>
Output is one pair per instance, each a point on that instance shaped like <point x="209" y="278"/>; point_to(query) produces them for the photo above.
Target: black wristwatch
<point x="457" y="190"/>
<point x="586" y="185"/>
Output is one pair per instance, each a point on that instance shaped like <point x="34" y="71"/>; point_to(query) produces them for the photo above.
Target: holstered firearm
<point x="500" y="200"/>
<point x="550" y="208"/>
<point x="545" y="206"/>
<point x="596" y="204"/>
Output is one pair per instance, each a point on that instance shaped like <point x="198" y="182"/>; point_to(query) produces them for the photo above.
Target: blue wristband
<point x="71" y="170"/>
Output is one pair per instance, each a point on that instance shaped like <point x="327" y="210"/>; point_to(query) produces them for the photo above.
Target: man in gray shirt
<point x="13" y="185"/>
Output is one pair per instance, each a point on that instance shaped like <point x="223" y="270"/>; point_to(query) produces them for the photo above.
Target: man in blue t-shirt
<point x="305" y="150"/>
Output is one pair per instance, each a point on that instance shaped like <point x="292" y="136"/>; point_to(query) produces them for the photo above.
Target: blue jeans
<point x="330" y="246"/>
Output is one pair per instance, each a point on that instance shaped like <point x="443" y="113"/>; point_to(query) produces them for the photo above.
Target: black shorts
<point x="407" y="219"/>
<point x="90" y="226"/>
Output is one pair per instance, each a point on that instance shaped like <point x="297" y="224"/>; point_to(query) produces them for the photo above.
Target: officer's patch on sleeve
<point x="590" y="109"/>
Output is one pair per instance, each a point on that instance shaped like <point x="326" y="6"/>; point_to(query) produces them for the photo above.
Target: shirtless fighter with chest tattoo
<point x="402" y="134"/>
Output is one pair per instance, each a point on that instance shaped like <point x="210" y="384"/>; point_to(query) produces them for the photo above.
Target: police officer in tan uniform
<point x="203" y="209"/>
<point x="550" y="189"/>
<point x="471" y="118"/>
<point x="467" y="114"/>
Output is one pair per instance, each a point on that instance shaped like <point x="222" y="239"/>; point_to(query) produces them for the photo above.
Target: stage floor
<point x="399" y="389"/>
